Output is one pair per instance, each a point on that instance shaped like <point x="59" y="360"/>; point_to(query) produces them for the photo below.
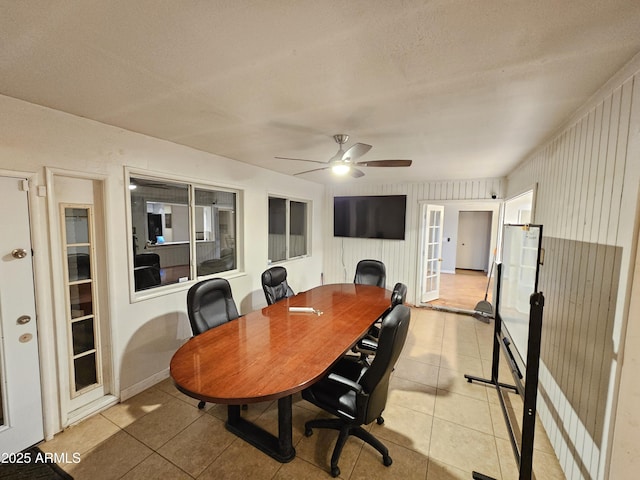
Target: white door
<point x="432" y="221"/>
<point x="474" y="240"/>
<point x="20" y="401"/>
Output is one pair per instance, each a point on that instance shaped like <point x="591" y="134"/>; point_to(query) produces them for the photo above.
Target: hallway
<point x="463" y="290"/>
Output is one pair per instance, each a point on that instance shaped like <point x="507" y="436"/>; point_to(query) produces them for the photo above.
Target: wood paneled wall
<point x="587" y="195"/>
<point x="399" y="256"/>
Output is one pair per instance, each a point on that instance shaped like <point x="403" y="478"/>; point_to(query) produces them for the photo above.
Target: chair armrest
<point x="334" y="377"/>
<point x="367" y="344"/>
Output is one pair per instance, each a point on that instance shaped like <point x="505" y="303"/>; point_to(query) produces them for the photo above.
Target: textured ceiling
<point x="464" y="88"/>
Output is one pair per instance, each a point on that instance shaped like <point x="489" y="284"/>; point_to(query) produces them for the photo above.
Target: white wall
<point x="587" y="180"/>
<point x="145" y="333"/>
<point x="399" y="256"/>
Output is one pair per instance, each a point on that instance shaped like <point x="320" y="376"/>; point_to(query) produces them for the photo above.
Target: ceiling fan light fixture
<point x="340" y="168"/>
<point x="344" y="162"/>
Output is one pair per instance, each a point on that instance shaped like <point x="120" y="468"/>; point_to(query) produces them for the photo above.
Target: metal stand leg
<point x="480" y="476"/>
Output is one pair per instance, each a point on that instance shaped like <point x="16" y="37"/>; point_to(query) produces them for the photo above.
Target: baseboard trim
<point x="139" y="387"/>
<point x="90" y="409"/>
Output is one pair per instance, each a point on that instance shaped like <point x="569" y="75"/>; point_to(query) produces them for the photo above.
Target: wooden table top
<point x="272" y="353"/>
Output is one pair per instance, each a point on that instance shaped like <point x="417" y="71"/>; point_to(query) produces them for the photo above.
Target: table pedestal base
<point x="279" y="448"/>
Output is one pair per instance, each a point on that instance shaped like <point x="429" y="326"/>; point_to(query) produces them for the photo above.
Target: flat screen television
<point x="372" y="216"/>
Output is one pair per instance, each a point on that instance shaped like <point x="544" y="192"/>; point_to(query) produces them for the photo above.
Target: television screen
<point x="376" y="216"/>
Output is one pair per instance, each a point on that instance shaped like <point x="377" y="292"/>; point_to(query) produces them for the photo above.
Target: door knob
<point x="23" y="319"/>
<point x="18" y="253"/>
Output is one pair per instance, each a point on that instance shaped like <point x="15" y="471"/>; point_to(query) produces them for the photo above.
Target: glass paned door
<point x="432" y="222"/>
<point x="83" y="328"/>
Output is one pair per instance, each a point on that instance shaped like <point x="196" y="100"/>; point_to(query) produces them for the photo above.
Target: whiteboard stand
<point x="523" y="450"/>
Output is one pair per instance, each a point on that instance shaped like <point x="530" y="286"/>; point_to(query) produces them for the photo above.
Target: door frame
<point x="482" y="205"/>
<point x="494" y="205"/>
<point x="111" y="380"/>
<point x="514" y="198"/>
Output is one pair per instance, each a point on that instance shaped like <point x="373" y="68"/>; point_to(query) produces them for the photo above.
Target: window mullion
<point x="192" y="233"/>
<point x="287" y="232"/>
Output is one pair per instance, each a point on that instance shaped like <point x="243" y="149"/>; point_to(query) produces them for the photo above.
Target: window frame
<point x="191" y="184"/>
<point x="307" y="228"/>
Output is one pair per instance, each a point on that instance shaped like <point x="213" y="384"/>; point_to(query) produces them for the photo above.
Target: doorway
<point x="463" y="281"/>
<point x="474" y="240"/>
<point x="21" y="422"/>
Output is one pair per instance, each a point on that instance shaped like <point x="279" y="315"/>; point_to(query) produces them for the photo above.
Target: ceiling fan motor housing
<point x="341" y="138"/>
<point x="343" y="162"/>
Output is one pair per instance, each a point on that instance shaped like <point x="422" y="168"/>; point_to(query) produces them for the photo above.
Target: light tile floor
<point x="437" y="425"/>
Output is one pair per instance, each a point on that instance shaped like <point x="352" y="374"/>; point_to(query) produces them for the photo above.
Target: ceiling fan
<point x="343" y="162"/>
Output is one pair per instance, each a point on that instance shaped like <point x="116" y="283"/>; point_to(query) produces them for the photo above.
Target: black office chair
<point x="275" y="286"/>
<point x="210" y="304"/>
<point x="146" y="277"/>
<point x="147" y="259"/>
<point x="146" y="272"/>
<point x="357" y="393"/>
<point x="370" y="272"/>
<point x="368" y="345"/>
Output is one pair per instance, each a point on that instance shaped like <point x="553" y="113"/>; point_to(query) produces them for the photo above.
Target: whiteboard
<point x="519" y="279"/>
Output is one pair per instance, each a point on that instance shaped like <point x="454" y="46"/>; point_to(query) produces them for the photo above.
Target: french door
<point x="21" y="422"/>
<point x="431" y="251"/>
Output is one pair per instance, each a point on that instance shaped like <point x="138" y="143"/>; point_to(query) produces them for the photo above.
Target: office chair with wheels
<point x="370" y="272"/>
<point x="368" y="345"/>
<point x="356" y="393"/>
<point x="210" y="304"/>
<point x="275" y="286"/>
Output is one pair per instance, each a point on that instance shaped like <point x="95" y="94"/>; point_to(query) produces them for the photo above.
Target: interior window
<point x="288" y="227"/>
<point x="215" y="231"/>
<point x="277" y="229"/>
<point x="173" y="230"/>
<point x="297" y="229"/>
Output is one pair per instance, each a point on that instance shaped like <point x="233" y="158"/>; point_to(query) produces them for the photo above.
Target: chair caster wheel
<point x="308" y="432"/>
<point x="201" y="405"/>
<point x="379" y="420"/>
<point x="335" y="471"/>
<point x="387" y="461"/>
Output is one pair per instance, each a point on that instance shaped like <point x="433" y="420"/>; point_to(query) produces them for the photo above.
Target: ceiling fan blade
<point x="355" y="173"/>
<point x="314" y="170"/>
<point x="356" y="151"/>
<point x="385" y="163"/>
<point x="299" y="159"/>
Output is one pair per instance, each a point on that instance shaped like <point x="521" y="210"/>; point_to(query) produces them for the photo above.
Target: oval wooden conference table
<point x="272" y="353"/>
